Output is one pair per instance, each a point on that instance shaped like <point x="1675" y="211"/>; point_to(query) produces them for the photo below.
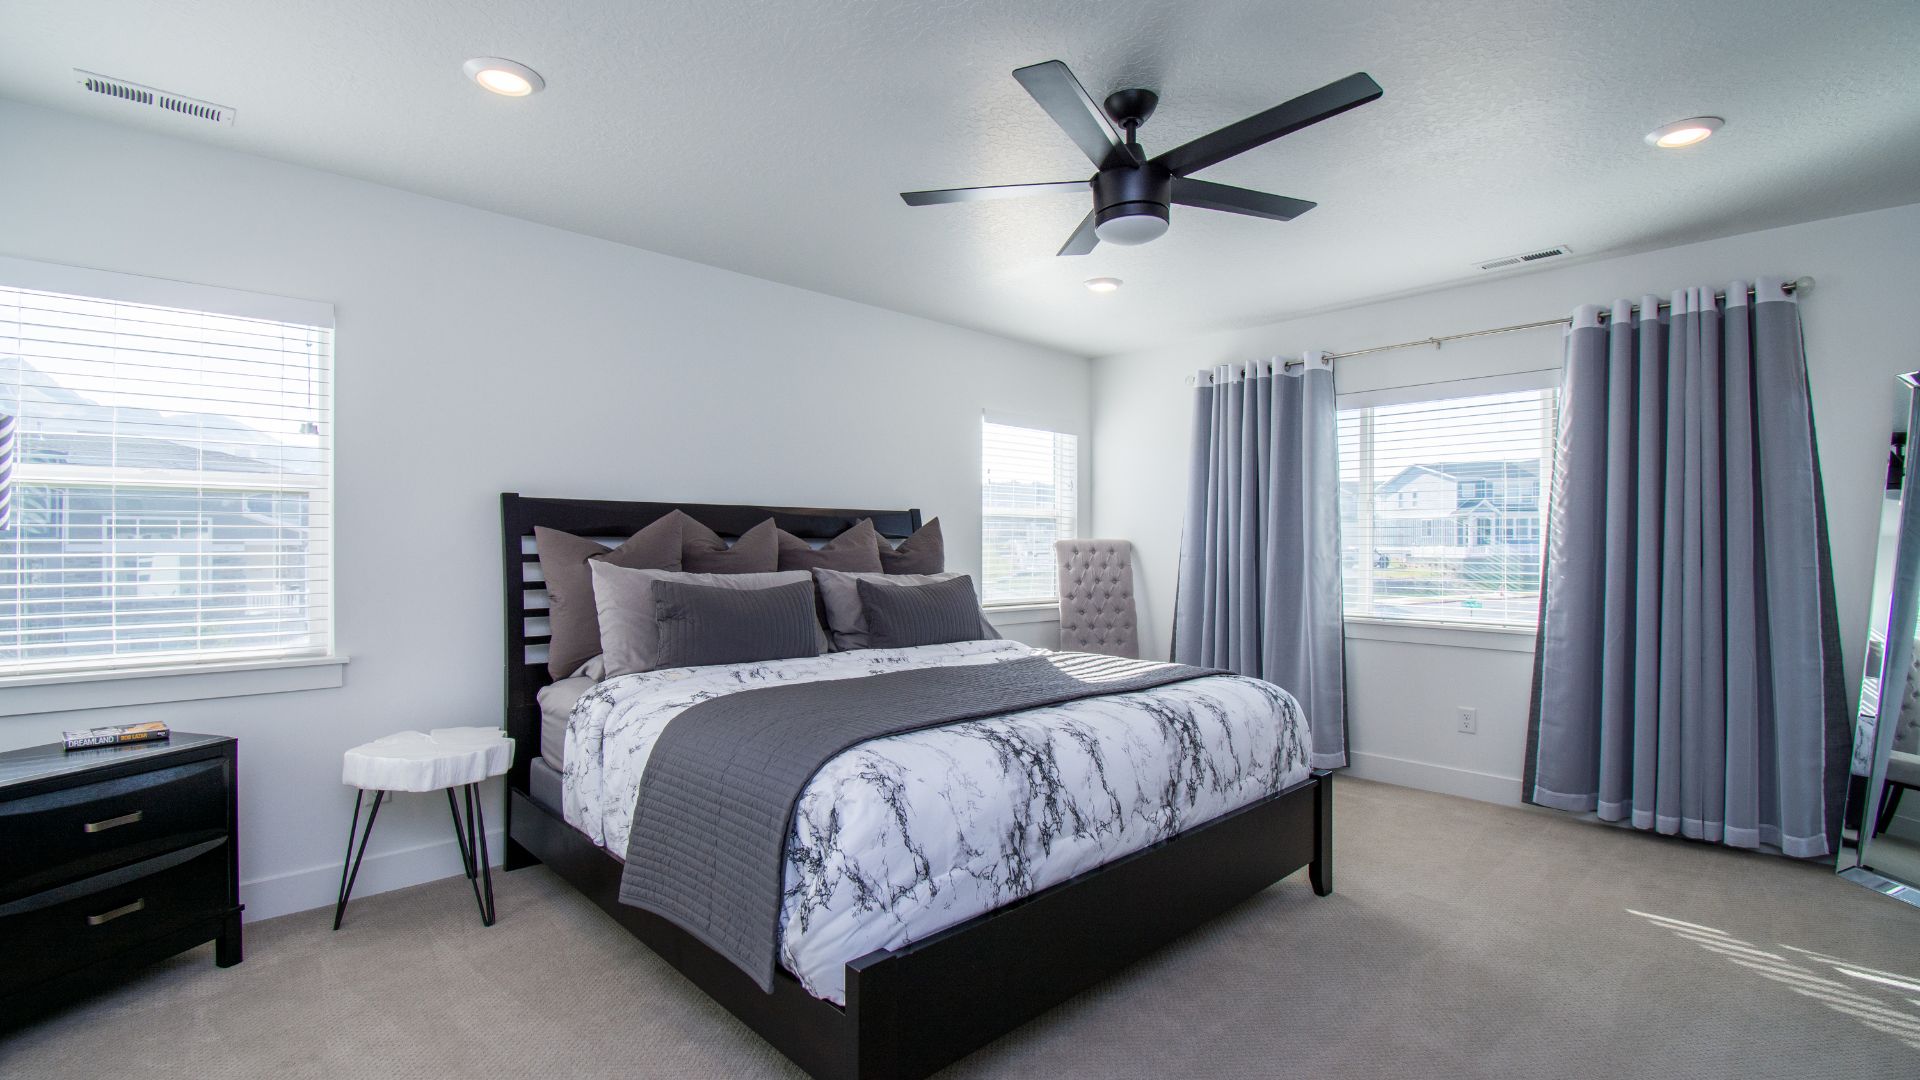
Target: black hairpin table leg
<point x="350" y="869"/>
<point x="472" y="838"/>
<point x="460" y="836"/>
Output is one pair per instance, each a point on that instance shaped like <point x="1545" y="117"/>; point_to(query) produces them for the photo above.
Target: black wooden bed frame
<point x="912" y="1010"/>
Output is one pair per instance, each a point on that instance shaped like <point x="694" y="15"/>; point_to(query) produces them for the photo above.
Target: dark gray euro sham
<point x="703" y="551"/>
<point x="701" y="625"/>
<point x="925" y="552"/>
<point x="856" y="550"/>
<point x="572" y="615"/>
<point x="904" y="616"/>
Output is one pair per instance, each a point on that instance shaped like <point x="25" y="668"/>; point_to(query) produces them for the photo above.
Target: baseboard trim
<point x="319" y="886"/>
<point x="1445" y="779"/>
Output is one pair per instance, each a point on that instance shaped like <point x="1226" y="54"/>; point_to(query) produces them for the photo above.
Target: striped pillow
<point x="709" y="624"/>
<point x="903" y="616"/>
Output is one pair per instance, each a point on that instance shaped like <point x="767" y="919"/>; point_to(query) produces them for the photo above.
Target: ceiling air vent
<point x="1526" y="257"/>
<point x="146" y="97"/>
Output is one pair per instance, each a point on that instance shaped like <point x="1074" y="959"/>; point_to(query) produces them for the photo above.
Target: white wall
<point x="1859" y="333"/>
<point x="478" y="354"/>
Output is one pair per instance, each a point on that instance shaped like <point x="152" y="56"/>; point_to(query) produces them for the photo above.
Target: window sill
<point x="1445" y="635"/>
<point x="1019" y="614"/>
<point x="24" y="694"/>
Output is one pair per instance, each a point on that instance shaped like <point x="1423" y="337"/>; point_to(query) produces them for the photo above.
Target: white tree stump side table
<point x="437" y="760"/>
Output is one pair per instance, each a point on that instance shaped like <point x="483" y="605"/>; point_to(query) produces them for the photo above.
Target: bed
<point x="904" y="994"/>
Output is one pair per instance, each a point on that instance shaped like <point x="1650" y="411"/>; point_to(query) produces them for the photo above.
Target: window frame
<point x="183" y="678"/>
<point x="1057" y="428"/>
<point x="1460" y="633"/>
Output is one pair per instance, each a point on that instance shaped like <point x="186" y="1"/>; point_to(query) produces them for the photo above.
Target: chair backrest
<point x="1096" y="597"/>
<point x="1906" y="733"/>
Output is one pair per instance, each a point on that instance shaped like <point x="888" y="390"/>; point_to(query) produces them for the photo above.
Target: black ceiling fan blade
<point x="1310" y="108"/>
<point x="999" y="191"/>
<point x="1234" y="200"/>
<point x="1058" y="92"/>
<point x="1083" y="239"/>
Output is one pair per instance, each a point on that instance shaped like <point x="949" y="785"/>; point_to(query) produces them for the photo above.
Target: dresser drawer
<point x="74" y="925"/>
<point x="58" y="835"/>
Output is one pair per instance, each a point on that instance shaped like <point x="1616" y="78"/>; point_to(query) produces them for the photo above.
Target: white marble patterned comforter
<point x="907" y="835"/>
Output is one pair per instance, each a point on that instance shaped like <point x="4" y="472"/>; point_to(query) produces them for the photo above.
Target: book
<point x="117" y="735"/>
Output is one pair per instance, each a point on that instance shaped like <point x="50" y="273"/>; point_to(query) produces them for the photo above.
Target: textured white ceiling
<point x="771" y="137"/>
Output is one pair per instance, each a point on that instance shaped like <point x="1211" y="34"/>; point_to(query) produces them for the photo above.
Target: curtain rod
<point x="1795" y="285"/>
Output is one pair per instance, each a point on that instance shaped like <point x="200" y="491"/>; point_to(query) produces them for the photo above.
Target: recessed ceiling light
<point x="1102" y="284"/>
<point x="1693" y="129"/>
<point x="504" y="77"/>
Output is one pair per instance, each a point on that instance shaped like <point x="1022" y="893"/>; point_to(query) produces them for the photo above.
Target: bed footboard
<point x="922" y="1007"/>
<point x="914" y="1010"/>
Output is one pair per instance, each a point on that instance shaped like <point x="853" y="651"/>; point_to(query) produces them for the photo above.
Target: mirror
<point x="1880" y="837"/>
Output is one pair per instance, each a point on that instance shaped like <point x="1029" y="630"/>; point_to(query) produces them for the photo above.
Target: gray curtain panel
<point x="1259" y="590"/>
<point x="1687" y="674"/>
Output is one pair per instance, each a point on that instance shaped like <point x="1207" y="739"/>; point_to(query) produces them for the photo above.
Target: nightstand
<point x="437" y="760"/>
<point x="111" y="858"/>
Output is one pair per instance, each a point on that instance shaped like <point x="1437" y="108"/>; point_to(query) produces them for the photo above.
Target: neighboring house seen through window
<point x="1441" y="510"/>
<point x="1029" y="497"/>
<point x="171" y="484"/>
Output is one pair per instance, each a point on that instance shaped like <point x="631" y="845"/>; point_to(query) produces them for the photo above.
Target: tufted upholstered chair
<point x="1903" y="765"/>
<point x="1096" y="597"/>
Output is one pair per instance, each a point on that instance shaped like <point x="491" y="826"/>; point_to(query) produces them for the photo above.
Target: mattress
<point x="904" y="836"/>
<point x="556" y="704"/>
<point x="543" y="783"/>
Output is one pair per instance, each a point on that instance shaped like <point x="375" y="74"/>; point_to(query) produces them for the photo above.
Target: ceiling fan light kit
<point x="1133" y="194"/>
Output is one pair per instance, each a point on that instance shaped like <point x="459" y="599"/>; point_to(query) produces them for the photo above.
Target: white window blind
<point x="172" y="482"/>
<point x="1029" y="497"/>
<point x="1443" y="506"/>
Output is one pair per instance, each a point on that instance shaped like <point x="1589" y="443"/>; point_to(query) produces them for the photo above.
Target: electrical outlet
<point x="1469" y="721"/>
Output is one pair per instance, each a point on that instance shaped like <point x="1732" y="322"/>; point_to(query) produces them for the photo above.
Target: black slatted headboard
<point x="612" y="523"/>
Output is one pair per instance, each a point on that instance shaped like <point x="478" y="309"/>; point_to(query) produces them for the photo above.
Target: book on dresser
<point x="111" y="858"/>
<point x="116" y="735"/>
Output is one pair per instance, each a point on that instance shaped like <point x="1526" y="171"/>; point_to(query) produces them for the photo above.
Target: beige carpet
<point x="1463" y="940"/>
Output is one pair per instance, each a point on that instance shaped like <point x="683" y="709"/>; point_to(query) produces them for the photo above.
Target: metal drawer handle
<point x="109" y="916"/>
<point x="113" y="822"/>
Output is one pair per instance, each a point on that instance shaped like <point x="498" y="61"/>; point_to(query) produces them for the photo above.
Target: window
<point x="1029" y="497"/>
<point x="1441" y="507"/>
<point x="172" y="474"/>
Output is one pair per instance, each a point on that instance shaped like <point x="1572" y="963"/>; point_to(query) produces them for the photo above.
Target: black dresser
<point x="111" y="858"/>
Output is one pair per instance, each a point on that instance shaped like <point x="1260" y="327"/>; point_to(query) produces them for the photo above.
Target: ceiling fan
<point x="1131" y="192"/>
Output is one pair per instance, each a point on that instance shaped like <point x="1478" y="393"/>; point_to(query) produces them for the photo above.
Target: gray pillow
<point x="699" y="625"/>
<point x="925" y="552"/>
<point x="903" y="616"/>
<point x="572" y="617"/>
<point x="628" y="622"/>
<point x="846" y="619"/>
<point x="856" y="551"/>
<point x="757" y="551"/>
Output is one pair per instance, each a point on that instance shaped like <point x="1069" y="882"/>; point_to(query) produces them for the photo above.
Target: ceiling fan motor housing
<point x="1142" y="191"/>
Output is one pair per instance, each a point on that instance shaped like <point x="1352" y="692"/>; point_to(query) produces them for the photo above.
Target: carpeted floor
<point x="1463" y="940"/>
